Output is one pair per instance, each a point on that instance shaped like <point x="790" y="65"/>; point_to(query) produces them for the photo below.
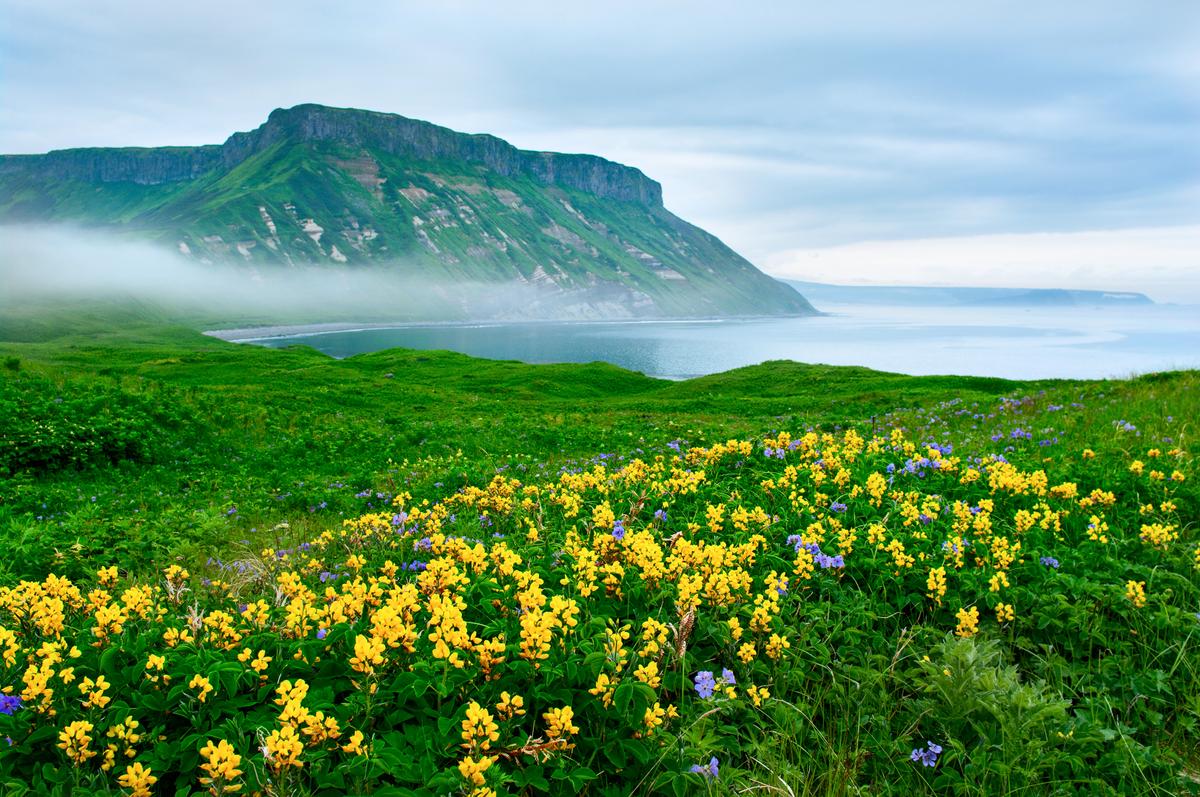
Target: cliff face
<point x="143" y="166"/>
<point x="344" y="187"/>
<point x="391" y="133"/>
<point x="411" y="138"/>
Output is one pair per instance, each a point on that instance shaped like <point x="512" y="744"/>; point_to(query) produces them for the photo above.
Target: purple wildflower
<point x="927" y="757"/>
<point x="705" y="684"/>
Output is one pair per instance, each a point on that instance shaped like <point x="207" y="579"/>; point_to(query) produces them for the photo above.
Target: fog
<point x="41" y="264"/>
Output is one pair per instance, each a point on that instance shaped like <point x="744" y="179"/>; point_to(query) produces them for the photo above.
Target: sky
<point x="922" y="142"/>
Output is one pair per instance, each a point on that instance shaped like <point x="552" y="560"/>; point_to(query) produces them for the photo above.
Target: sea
<point x="1067" y="342"/>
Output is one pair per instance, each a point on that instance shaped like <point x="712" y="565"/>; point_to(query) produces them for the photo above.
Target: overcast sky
<point x="892" y="142"/>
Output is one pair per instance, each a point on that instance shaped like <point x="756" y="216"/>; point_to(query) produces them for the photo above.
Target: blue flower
<point x="9" y="703"/>
<point x="711" y="770"/>
<point x="927" y="757"/>
<point x="705" y="684"/>
<point x="727" y="677"/>
<point x="1049" y="561"/>
<point x="618" y="531"/>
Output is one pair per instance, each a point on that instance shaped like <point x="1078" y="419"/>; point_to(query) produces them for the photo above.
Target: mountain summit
<point x="353" y="188"/>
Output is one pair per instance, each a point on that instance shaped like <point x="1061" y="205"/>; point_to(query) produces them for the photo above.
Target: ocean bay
<point x="1009" y="342"/>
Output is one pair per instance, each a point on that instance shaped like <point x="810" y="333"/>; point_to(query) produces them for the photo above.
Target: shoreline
<point x="274" y="331"/>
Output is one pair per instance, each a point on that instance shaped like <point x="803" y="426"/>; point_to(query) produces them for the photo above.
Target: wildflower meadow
<point x="980" y="596"/>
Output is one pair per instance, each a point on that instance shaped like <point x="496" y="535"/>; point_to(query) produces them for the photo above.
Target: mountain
<point x="347" y="188"/>
<point x="928" y="296"/>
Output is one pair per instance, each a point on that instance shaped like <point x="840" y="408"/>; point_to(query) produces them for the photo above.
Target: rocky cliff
<point x="388" y="132"/>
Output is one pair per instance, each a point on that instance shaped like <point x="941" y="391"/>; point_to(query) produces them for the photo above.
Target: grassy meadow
<point x="236" y="570"/>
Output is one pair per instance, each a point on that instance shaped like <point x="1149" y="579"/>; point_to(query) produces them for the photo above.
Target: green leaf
<point x="579" y="776"/>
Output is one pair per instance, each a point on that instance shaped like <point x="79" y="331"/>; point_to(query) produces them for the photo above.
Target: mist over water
<point x="61" y="263"/>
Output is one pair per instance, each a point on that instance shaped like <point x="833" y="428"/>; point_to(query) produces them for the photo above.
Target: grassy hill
<point x="345" y="188"/>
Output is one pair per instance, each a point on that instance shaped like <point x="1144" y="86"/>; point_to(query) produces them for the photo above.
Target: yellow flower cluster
<point x="138" y="779"/>
<point x="1135" y="593"/>
<point x="968" y="622"/>
<point x="560" y="726"/>
<point x="220" y="765"/>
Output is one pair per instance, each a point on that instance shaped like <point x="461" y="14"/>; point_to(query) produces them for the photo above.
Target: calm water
<point x="1023" y="343"/>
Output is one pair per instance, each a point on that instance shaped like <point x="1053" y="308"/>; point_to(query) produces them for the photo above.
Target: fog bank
<point x="51" y="263"/>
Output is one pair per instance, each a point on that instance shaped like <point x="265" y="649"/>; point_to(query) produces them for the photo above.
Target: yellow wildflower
<point x="936" y="584"/>
<point x="93" y="692"/>
<point x="138" y="780"/>
<point x="75" y="741"/>
<point x="472" y="769"/>
<point x="1135" y="593"/>
<point x="510" y="706"/>
<point x="968" y="622"/>
<point x="355" y="745"/>
<point x="220" y="766"/>
<point x="283" y="748"/>
<point x="559" y="725"/>
<point x="478" y="729"/>
<point x="204" y="686"/>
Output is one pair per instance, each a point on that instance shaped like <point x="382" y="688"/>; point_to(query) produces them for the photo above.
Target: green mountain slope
<point x="349" y="188"/>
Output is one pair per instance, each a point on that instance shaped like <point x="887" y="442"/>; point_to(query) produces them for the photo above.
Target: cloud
<point x="1160" y="261"/>
<point x="776" y="126"/>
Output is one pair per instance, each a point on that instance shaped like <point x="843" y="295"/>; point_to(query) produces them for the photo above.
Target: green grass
<point x="250" y="423"/>
<point x="127" y="439"/>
